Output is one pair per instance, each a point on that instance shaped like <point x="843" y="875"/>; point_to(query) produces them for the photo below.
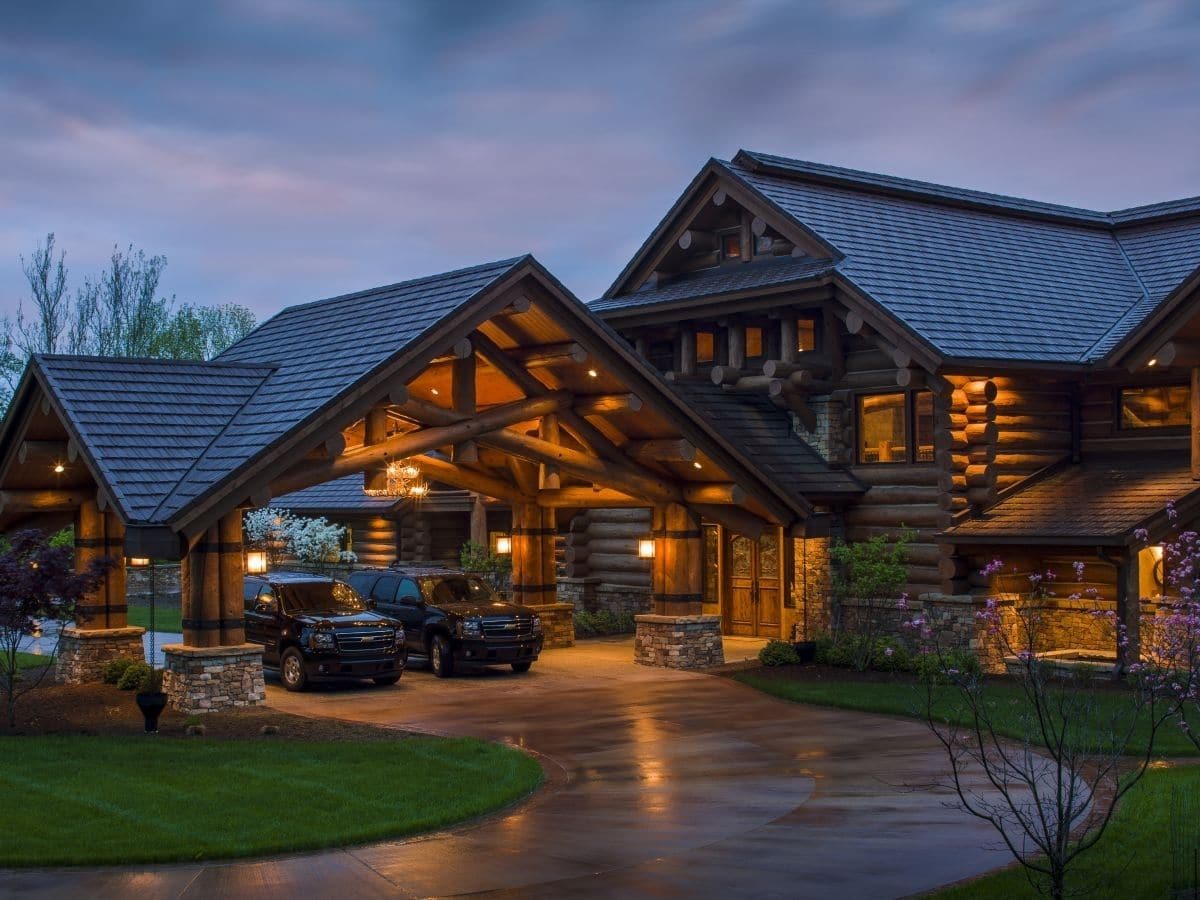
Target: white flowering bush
<point x="280" y="534"/>
<point x="316" y="541"/>
<point x="269" y="530"/>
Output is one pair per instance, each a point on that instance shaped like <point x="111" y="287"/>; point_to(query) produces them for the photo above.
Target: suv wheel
<point x="291" y="671"/>
<point x="522" y="666"/>
<point x="440" y="659"/>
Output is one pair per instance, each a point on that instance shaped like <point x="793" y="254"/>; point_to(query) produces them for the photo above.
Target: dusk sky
<point x="282" y="151"/>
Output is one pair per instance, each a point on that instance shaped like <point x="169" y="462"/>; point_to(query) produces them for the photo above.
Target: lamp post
<point x="141" y="562"/>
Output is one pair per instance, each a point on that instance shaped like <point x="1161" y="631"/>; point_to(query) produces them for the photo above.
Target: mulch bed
<point x="94" y="709"/>
<point x="814" y="672"/>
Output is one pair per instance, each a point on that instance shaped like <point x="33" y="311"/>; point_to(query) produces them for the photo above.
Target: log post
<point x="533" y="578"/>
<point x="375" y="431"/>
<point x="462" y="389"/>
<point x="687" y="350"/>
<point x="98" y="535"/>
<point x="677" y="574"/>
<point x="229" y="555"/>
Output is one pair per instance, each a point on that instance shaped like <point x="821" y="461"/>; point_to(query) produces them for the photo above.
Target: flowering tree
<point x="37" y="584"/>
<point x="269" y="530"/>
<point x="1050" y="793"/>
<point x="317" y="541"/>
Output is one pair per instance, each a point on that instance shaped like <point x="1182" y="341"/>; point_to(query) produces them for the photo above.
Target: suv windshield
<point x="319" y="596"/>
<point x="455" y="589"/>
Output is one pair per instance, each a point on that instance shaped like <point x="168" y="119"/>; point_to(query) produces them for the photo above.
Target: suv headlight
<point x="322" y="640"/>
<point x="399" y="635"/>
<point x="472" y="627"/>
<point x="537" y="623"/>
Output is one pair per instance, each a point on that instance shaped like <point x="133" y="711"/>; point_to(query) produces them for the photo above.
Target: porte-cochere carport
<point x="494" y="379"/>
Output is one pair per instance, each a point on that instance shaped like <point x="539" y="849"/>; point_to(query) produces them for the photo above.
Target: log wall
<point x="602" y="544"/>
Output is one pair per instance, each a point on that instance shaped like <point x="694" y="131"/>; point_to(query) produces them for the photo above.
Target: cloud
<point x="280" y="151"/>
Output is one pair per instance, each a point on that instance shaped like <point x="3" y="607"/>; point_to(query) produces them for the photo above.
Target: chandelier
<point x="403" y="480"/>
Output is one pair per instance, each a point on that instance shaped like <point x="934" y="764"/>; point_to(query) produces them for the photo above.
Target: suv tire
<point x="441" y="660"/>
<point x="522" y="666"/>
<point x="291" y="670"/>
<point x="386" y="680"/>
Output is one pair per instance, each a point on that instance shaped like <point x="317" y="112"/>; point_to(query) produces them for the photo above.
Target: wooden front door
<point x="754" y="582"/>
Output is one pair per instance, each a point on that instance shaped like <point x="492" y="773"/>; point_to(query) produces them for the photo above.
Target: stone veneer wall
<point x="558" y="624"/>
<point x="166" y="584"/>
<point x="808" y="614"/>
<point x="678" y="642"/>
<point x="592" y="595"/>
<point x="827" y="435"/>
<point x="207" y="679"/>
<point x="82" y="655"/>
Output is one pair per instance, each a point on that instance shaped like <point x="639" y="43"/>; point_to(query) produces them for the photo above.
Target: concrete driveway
<point x="662" y="783"/>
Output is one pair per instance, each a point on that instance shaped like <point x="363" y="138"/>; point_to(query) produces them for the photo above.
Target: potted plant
<point x="151" y="700"/>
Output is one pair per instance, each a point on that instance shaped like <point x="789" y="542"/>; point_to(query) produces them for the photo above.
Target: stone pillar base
<point x="678" y="642"/>
<point x="207" y="679"/>
<point x="83" y="653"/>
<point x="558" y="624"/>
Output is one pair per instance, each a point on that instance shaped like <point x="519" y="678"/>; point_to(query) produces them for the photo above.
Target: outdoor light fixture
<point x="137" y="562"/>
<point x="696" y="465"/>
<point x="593" y="373"/>
<point x="504" y="545"/>
<point x="256" y="562"/>
<point x="645" y="548"/>
<point x="1153" y="362"/>
<point x="59" y="468"/>
<point x="434" y="391"/>
<point x="403" y="480"/>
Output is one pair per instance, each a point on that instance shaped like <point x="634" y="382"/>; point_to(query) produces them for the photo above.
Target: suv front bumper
<point x="333" y="667"/>
<point x="486" y="653"/>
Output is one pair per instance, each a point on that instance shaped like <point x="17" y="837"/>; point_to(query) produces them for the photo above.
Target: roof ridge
<point x="1133" y="307"/>
<point x="92" y="357"/>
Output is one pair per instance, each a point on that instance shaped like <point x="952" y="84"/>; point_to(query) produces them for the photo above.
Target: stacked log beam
<point x="602" y="544"/>
<point x="1033" y="418"/>
<point x="375" y="541"/>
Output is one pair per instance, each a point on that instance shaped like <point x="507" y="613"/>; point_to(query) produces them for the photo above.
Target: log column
<point x="534" y="579"/>
<point x="676" y="634"/>
<point x="214" y="668"/>
<point x="101" y="632"/>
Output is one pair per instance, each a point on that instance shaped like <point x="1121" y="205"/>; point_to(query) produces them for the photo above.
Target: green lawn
<point x="97" y="800"/>
<point x="906" y="698"/>
<point x="32" y="660"/>
<point x="1133" y="859"/>
<point x="167" y="617"/>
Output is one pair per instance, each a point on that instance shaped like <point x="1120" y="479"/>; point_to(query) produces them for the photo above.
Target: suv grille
<point x="507" y="628"/>
<point x="354" y="641"/>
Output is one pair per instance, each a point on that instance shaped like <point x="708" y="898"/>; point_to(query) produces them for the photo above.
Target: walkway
<point x="667" y="784"/>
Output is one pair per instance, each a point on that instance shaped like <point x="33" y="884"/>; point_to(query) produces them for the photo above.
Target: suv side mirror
<point x="411" y="600"/>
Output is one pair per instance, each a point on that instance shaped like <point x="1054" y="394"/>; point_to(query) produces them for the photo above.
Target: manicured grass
<point x="97" y="800"/>
<point x="906" y="698"/>
<point x="167" y="617"/>
<point x="1133" y="858"/>
<point x="32" y="661"/>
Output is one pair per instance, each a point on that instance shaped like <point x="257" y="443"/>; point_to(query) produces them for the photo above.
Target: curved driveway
<point x="663" y="783"/>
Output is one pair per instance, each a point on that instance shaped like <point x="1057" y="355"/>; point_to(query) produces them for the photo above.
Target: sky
<point x="282" y="151"/>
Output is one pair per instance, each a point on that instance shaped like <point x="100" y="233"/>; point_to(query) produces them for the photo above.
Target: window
<point x="1155" y="407"/>
<point x="705" y="346"/>
<point x="384" y="590"/>
<point x="754" y="343"/>
<point x="806" y="335"/>
<point x="731" y="245"/>
<point x="895" y="427"/>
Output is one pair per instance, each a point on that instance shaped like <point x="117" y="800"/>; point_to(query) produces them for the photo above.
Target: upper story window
<point x="705" y="347"/>
<point x="731" y="245"/>
<point x="806" y="334"/>
<point x="895" y="427"/>
<point x="1162" y="406"/>
<point x="754" y="342"/>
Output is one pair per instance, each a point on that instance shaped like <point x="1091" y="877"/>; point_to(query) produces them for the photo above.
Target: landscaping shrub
<point x="778" y="653"/>
<point x="134" y="677"/>
<point x="115" y="668"/>
<point x="942" y="665"/>
<point x="603" y="623"/>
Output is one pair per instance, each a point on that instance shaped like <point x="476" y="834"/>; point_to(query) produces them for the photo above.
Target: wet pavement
<point x="663" y="784"/>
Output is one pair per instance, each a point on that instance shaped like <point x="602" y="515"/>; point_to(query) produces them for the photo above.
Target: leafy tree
<point x="869" y="575"/>
<point x="38" y="584"/>
<point x="118" y="312"/>
<point x="494" y="568"/>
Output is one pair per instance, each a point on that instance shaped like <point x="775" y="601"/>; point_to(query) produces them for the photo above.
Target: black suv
<point x="317" y="629"/>
<point x="453" y="618"/>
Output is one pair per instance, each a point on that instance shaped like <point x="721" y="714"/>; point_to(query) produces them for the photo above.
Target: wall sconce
<point x="137" y="562"/>
<point x="504" y="545"/>
<point x="645" y="548"/>
<point x="256" y="562"/>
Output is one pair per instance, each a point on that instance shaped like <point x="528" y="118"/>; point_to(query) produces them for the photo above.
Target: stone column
<point x="676" y="634"/>
<point x="534" y="581"/>
<point x="214" y="668"/>
<point x="101" y="631"/>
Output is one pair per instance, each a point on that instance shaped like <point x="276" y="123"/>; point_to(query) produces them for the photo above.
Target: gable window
<point x="754" y="342"/>
<point x="895" y="427"/>
<point x="705" y="346"/>
<point x="1162" y="406"/>
<point x="806" y="335"/>
<point x="731" y="245"/>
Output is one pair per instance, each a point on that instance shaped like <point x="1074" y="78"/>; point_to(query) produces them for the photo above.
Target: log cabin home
<point x="1003" y="377"/>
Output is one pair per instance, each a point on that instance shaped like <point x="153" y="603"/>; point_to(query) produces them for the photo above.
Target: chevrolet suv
<point x="314" y="628"/>
<point x="453" y="618"/>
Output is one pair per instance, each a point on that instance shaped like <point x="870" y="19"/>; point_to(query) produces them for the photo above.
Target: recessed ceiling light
<point x="593" y="373"/>
<point x="696" y="465"/>
<point x="434" y="391"/>
<point x="59" y="468"/>
<point x="1153" y="362"/>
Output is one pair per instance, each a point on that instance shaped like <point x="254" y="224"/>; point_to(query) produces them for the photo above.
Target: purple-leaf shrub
<point x="38" y="584"/>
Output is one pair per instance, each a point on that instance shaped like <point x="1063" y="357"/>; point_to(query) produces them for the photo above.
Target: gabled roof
<point x="764" y="434"/>
<point x="320" y="350"/>
<point x="145" y="420"/>
<point x="972" y="275"/>
<point x="1099" y="501"/>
